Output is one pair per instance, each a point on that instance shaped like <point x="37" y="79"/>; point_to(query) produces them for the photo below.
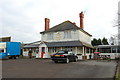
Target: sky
<point x="23" y="20"/>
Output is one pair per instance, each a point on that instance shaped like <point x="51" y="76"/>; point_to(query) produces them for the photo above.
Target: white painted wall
<point x="59" y="36"/>
<point x="84" y="37"/>
<point x="25" y="53"/>
<point x="75" y="35"/>
<point x="46" y="55"/>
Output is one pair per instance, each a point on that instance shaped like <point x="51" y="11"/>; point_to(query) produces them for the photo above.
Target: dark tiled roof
<point x="31" y="46"/>
<point x="67" y="25"/>
<point x="64" y="44"/>
<point x="36" y="42"/>
<point x="68" y="44"/>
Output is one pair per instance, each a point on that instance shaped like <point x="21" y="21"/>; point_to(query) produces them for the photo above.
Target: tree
<point x="104" y="41"/>
<point x="94" y="42"/>
<point x="99" y="42"/>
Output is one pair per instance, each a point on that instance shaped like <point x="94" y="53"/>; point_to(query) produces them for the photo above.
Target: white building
<point x="34" y="46"/>
<point x="65" y="36"/>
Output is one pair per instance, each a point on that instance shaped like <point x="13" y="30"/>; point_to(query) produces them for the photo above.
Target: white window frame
<point x="50" y="36"/>
<point x="67" y="34"/>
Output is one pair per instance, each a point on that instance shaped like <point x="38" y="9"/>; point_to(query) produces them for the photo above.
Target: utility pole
<point x="118" y="49"/>
<point x="119" y="23"/>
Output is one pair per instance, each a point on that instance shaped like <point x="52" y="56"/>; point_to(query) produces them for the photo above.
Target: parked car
<point x="64" y="56"/>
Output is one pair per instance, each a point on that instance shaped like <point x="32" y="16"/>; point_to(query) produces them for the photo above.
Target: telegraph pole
<point x="119" y="23"/>
<point x="118" y="29"/>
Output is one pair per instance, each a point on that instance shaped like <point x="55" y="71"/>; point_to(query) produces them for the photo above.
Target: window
<point x="67" y="34"/>
<point x="61" y="52"/>
<point x="114" y="50"/>
<point x="118" y="50"/>
<point x="54" y="49"/>
<point x="68" y="48"/>
<point x="49" y="50"/>
<point x="87" y="50"/>
<point x="1" y="50"/>
<point x="104" y="50"/>
<point x="50" y="36"/>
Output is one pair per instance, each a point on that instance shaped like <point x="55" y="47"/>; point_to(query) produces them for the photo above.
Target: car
<point x="64" y="56"/>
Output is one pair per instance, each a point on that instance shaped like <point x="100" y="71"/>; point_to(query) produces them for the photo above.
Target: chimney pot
<point x="74" y="23"/>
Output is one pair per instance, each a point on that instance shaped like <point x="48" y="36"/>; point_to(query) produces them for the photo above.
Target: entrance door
<point x="43" y="49"/>
<point x="42" y="52"/>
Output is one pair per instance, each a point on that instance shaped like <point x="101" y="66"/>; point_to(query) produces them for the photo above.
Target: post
<point x="84" y="55"/>
<point x="83" y="51"/>
<point x="76" y="50"/>
<point x="116" y="50"/>
<point x="111" y="49"/>
<point x="89" y="50"/>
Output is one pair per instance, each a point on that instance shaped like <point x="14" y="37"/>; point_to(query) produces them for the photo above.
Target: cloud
<point x="24" y="19"/>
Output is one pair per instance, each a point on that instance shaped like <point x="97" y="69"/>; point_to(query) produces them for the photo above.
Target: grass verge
<point x="117" y="76"/>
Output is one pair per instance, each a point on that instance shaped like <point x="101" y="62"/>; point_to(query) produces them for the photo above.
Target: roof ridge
<point x="59" y="24"/>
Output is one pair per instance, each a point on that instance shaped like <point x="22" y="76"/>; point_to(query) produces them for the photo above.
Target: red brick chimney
<point x="81" y="15"/>
<point x="47" y="21"/>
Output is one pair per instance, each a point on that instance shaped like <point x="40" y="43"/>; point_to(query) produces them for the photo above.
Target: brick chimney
<point x="81" y="15"/>
<point x="47" y="21"/>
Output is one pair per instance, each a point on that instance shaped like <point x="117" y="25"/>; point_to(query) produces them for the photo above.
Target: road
<point x="39" y="68"/>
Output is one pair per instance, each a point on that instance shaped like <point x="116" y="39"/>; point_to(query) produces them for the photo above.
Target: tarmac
<point x="38" y="68"/>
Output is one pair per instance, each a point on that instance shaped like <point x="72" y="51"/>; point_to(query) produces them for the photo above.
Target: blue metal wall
<point x="13" y="48"/>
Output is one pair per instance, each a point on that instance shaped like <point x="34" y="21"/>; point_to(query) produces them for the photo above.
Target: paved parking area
<point x="45" y="68"/>
<point x="0" y="69"/>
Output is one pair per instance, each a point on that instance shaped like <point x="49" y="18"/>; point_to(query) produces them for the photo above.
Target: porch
<point x="83" y="50"/>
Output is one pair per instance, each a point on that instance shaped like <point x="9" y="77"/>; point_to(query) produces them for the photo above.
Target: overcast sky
<point x="23" y="20"/>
